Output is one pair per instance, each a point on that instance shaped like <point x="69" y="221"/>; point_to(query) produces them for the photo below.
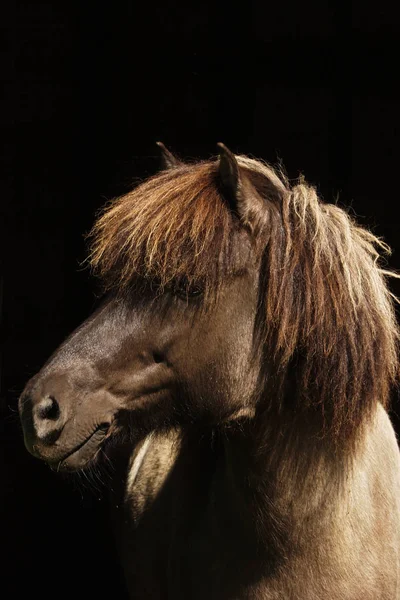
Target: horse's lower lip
<point x="81" y="454"/>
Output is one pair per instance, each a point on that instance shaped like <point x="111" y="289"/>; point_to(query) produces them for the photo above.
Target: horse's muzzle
<point x="42" y="420"/>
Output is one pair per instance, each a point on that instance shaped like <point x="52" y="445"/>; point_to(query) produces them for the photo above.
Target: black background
<point x="88" y="90"/>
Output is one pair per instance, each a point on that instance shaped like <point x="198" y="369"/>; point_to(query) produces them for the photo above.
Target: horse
<point x="239" y="368"/>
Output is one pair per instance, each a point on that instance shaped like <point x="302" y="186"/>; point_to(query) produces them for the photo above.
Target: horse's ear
<point x="168" y="160"/>
<point x="242" y="196"/>
<point x="228" y="173"/>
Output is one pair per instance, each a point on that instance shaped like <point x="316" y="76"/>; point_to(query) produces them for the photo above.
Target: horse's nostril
<point x="48" y="408"/>
<point x="158" y="357"/>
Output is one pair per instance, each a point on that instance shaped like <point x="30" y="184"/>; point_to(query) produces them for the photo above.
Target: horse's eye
<point x="184" y="290"/>
<point x="194" y="291"/>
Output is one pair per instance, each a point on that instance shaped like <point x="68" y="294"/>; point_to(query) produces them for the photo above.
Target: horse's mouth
<point x="83" y="453"/>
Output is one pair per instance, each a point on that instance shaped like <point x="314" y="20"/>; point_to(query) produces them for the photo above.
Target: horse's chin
<point x="82" y="454"/>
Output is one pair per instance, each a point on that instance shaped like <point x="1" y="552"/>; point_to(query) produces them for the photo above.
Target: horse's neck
<point x="275" y="482"/>
<point x="271" y="486"/>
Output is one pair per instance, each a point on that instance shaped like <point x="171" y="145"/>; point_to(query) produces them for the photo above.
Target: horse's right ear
<point x="168" y="160"/>
<point x="243" y="198"/>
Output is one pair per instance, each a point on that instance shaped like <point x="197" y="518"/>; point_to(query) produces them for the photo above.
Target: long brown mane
<point x="327" y="310"/>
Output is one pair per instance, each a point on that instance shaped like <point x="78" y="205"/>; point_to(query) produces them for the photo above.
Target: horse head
<point x="173" y="340"/>
<point x="227" y="292"/>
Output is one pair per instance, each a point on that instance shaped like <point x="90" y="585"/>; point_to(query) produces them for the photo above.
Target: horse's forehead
<point x="168" y="231"/>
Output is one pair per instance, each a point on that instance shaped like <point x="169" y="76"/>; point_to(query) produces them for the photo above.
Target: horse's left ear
<point x="238" y="190"/>
<point x="168" y="160"/>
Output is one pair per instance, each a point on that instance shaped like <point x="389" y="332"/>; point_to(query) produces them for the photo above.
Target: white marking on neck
<point x="138" y="460"/>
